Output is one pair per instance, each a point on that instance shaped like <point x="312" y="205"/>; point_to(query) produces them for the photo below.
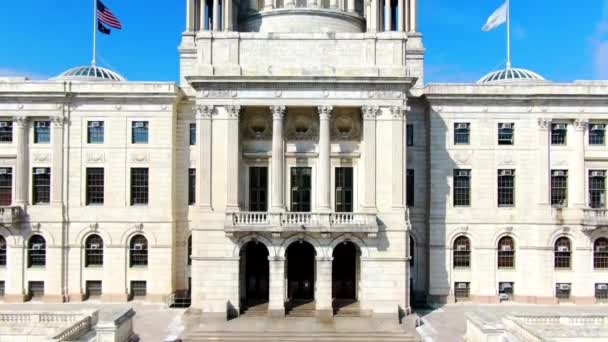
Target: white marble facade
<point x="290" y="136"/>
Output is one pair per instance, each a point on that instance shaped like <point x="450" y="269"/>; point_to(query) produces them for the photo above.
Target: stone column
<point x="276" y="300"/>
<point x="57" y="170"/>
<point x="351" y="5"/>
<point x="398" y="149"/>
<point x="406" y="15"/>
<point x="544" y="129"/>
<point x="323" y="286"/>
<point x="216" y="14"/>
<point x="289" y="4"/>
<point x="190" y="16"/>
<point x="324" y="195"/>
<point x="369" y="157"/>
<point x="413" y="15"/>
<point x="333" y="4"/>
<point x="311" y="3"/>
<point x="578" y="172"/>
<point x="268" y="5"/>
<point x="387" y="15"/>
<point x="21" y="170"/>
<point x="233" y="157"/>
<point x="278" y="156"/>
<point x="401" y="15"/>
<point x="227" y="13"/>
<point x="203" y="172"/>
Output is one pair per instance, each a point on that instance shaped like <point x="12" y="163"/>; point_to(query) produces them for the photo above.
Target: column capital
<point x="370" y="112"/>
<point x="398" y="112"/>
<point x="581" y="124"/>
<point x="58" y="121"/>
<point x="543" y="123"/>
<point x="203" y="111"/>
<point x="325" y="111"/>
<point x="233" y="111"/>
<point x="277" y="112"/>
<point x="20" y="121"/>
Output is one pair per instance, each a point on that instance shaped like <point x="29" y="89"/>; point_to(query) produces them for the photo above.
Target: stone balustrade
<point x="9" y="214"/>
<point x="300" y="221"/>
<point x="42" y="318"/>
<point x="592" y="218"/>
<point x="75" y="331"/>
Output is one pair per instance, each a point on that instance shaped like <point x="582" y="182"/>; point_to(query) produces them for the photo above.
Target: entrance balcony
<point x="595" y="218"/>
<point x="9" y="214"/>
<point x="245" y="222"/>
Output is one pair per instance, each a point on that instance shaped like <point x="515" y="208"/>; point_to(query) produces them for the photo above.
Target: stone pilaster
<point x="577" y="173"/>
<point x="323" y="298"/>
<point x="369" y="157"/>
<point x="398" y="148"/>
<point x="203" y="172"/>
<point x="324" y="195"/>
<point x="22" y="171"/>
<point x="276" y="302"/>
<point x="544" y="129"/>
<point x="278" y="160"/>
<point x="233" y="158"/>
<point x="14" y="291"/>
<point x="58" y="123"/>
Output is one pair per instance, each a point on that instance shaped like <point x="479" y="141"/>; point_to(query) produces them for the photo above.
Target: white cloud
<point x="9" y="72"/>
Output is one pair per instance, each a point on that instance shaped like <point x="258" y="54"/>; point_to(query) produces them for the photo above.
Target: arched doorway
<point x="345" y="274"/>
<point x="254" y="275"/>
<point x="300" y="273"/>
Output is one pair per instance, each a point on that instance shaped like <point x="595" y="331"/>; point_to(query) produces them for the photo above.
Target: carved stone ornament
<point x="302" y="126"/>
<point x="20" y="121"/>
<point x="96" y="157"/>
<point x="581" y="124"/>
<point x="346" y="126"/>
<point x="370" y="112"/>
<point x="94" y="226"/>
<point x="203" y="112"/>
<point x="36" y="226"/>
<point x="257" y="126"/>
<point x="325" y="111"/>
<point x="277" y="112"/>
<point x="509" y="229"/>
<point x="463" y="228"/>
<point x="139" y="226"/>
<point x="397" y="112"/>
<point x="140" y="157"/>
<point x="543" y="123"/>
<point x="463" y="157"/>
<point x="233" y="111"/>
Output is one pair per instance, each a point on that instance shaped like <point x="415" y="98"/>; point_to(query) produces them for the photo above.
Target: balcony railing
<point x="300" y="221"/>
<point x="594" y="218"/>
<point x="9" y="214"/>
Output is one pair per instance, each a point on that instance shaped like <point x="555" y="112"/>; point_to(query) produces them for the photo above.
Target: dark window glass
<point x="562" y="291"/>
<point x="2" y="251"/>
<point x="597" y="134"/>
<point x="300" y="189"/>
<point x="559" y="132"/>
<point x="462" y="187"/>
<point x="505" y="133"/>
<point x="192" y="134"/>
<point x="95" y="132"/>
<point x="36" y="251"/>
<point x="562" y="253"/>
<point x="6" y="186"/>
<point x="344" y="189"/>
<point x="601" y="292"/>
<point x="258" y="188"/>
<point x="461" y="291"/>
<point x="506" y="188"/>
<point x="138" y="251"/>
<point x="41" y="185"/>
<point x="35" y="289"/>
<point x="6" y="131"/>
<point x="462" y="252"/>
<point x="462" y="131"/>
<point x="93" y="249"/>
<point x="559" y="187"/>
<point x="409" y="195"/>
<point x="93" y="288"/>
<point x="139" y="185"/>
<point x="95" y="185"/>
<point x="600" y="253"/>
<point x="190" y="250"/>
<point x="506" y="253"/>
<point x="409" y="134"/>
<point x="191" y="186"/>
<point x="2" y="288"/>
<point x="139" y="132"/>
<point x="42" y="132"/>
<point x="138" y="289"/>
<point x="597" y="189"/>
<point x="412" y="251"/>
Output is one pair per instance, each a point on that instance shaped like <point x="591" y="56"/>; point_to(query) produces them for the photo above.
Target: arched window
<point x="506" y="253"/>
<point x="93" y="251"/>
<point x="562" y="253"/>
<point x="36" y="248"/>
<point x="190" y="250"/>
<point x="600" y="253"/>
<point x="412" y="251"/>
<point x="138" y="251"/>
<point x="462" y="252"/>
<point x="2" y="251"/>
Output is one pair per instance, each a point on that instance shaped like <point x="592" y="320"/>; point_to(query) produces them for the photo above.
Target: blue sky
<point x="562" y="42"/>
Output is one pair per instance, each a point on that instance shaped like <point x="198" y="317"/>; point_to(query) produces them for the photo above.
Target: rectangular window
<point x="409" y="134"/>
<point x="139" y="186"/>
<point x="95" y="185"/>
<point x="344" y="189"/>
<point x="192" y="134"/>
<point x="95" y="132"/>
<point x="462" y="132"/>
<point x="93" y="289"/>
<point x="191" y="186"/>
<point x="41" y="185"/>
<point x="462" y="187"/>
<point x="597" y="189"/>
<point x="139" y="132"/>
<point x="559" y="132"/>
<point x="559" y="188"/>
<point x="562" y="291"/>
<point x="6" y="186"/>
<point x="409" y="186"/>
<point x="35" y="289"/>
<point x="300" y="189"/>
<point x="461" y="291"/>
<point x="601" y="292"/>
<point x="597" y="134"/>
<point x="138" y="289"/>
<point x="505" y="290"/>
<point x="6" y="131"/>
<point x="505" y="133"/>
<point x="506" y="188"/>
<point x="258" y="188"/>
<point x="2" y="288"/>
<point x="42" y="132"/>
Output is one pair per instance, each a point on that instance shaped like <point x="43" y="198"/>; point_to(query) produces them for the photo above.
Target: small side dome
<point x="89" y="73"/>
<point x="511" y="75"/>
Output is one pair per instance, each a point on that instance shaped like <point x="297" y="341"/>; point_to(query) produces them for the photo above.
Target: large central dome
<point x="90" y="73"/>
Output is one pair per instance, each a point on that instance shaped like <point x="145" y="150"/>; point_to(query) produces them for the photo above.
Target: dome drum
<point x="303" y="20"/>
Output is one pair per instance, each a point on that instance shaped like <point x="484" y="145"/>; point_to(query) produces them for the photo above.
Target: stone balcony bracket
<point x="595" y="219"/>
<point x="10" y="214"/>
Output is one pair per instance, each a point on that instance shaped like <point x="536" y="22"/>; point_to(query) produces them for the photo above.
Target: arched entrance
<point x="345" y="274"/>
<point x="300" y="273"/>
<point x="254" y="275"/>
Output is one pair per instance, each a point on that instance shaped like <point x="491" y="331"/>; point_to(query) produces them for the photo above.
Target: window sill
<point x="141" y="267"/>
<point x="564" y="269"/>
<point x="37" y="267"/>
<point x="506" y="268"/>
<point x="98" y="205"/>
<point x="140" y="205"/>
<point x="462" y="268"/>
<point x="98" y="267"/>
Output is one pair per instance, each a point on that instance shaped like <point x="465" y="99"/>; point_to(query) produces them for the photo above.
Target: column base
<point x="276" y="312"/>
<point x="325" y="315"/>
<point x="75" y="297"/>
<point x="52" y="299"/>
<point x="114" y="297"/>
<point x="14" y="298"/>
<point x="584" y="300"/>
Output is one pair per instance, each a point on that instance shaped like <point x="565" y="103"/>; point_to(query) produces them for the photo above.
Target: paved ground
<point x="448" y="323"/>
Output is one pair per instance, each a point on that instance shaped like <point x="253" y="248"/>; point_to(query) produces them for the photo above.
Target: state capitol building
<point x="303" y="164"/>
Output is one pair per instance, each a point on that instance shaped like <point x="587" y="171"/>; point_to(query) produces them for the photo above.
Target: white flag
<point x="496" y="19"/>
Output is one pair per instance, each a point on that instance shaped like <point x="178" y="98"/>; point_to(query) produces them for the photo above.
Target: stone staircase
<point x="199" y="336"/>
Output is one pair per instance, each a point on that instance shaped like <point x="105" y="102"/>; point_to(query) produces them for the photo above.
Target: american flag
<point x="106" y="16"/>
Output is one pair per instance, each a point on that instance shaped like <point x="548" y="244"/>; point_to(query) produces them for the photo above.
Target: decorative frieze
<point x="581" y="124"/>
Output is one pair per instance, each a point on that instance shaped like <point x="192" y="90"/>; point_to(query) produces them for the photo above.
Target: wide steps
<point x="200" y="336"/>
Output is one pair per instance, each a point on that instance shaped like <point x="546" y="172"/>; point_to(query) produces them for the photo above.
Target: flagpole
<point x="508" y="34"/>
<point x="94" y="32"/>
